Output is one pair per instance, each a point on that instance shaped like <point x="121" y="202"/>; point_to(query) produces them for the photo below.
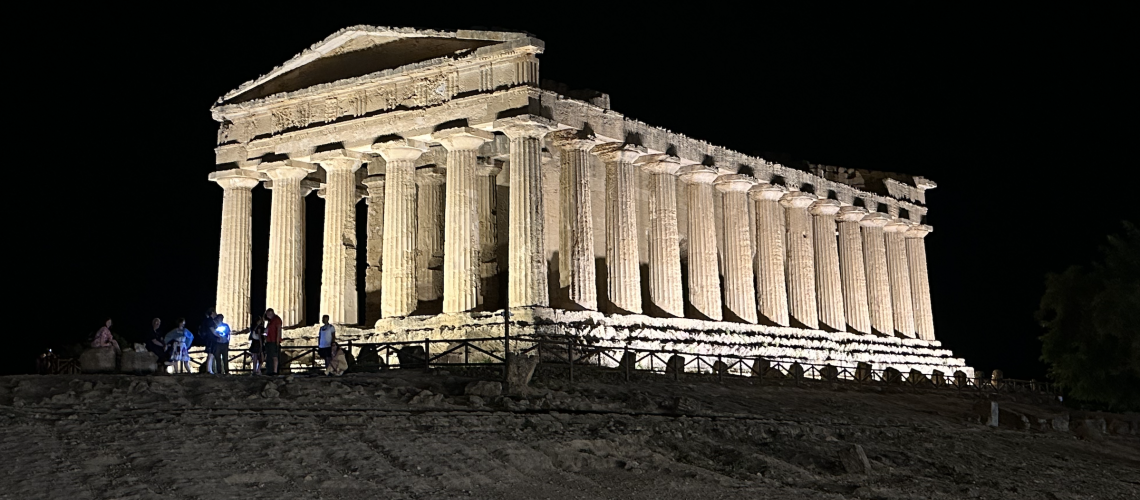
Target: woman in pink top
<point x="103" y="337"/>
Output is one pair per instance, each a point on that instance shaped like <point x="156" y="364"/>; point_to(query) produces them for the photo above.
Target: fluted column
<point x="576" y="237"/>
<point x="373" y="274"/>
<point x="234" y="252"/>
<point x="901" y="302"/>
<point x="853" y="269"/>
<point x="337" y="283"/>
<point x="801" y="259"/>
<point x="770" y="252"/>
<point x="878" y="280"/>
<point x="739" y="289"/>
<point x="284" y="286"/>
<point x="526" y="239"/>
<point x="485" y="198"/>
<point x="664" y="241"/>
<point x="398" y="285"/>
<point x="704" y="277"/>
<point x="919" y="280"/>
<point x="828" y="285"/>
<point x="429" y="233"/>
<point x="461" y="222"/>
<point x="623" y="278"/>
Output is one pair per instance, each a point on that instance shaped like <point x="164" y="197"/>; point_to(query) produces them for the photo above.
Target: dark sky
<point x="1016" y="116"/>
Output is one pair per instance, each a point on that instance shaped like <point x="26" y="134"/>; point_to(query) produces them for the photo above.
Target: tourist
<point x="219" y="358"/>
<point x="206" y="333"/>
<point x="337" y="362"/>
<point x="256" y="345"/>
<point x="103" y="337"/>
<point x="179" y="340"/>
<point x="272" y="341"/>
<point x="155" y="343"/>
<point x="325" y="340"/>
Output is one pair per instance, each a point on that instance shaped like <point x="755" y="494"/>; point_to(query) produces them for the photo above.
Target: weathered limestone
<point x="461" y="245"/>
<point x="739" y="289"/>
<point x="284" y="290"/>
<point x="429" y="233"/>
<point x="878" y="280"/>
<point x="623" y="278"/>
<point x="899" y="272"/>
<point x="234" y="251"/>
<point x="338" y="276"/>
<point x="526" y="265"/>
<point x="853" y="269"/>
<point x="828" y="284"/>
<point x="704" y="279"/>
<point x="398" y="290"/>
<point x="770" y="253"/>
<point x="373" y="274"/>
<point x="576" y="250"/>
<point x="801" y="258"/>
<point x="485" y="198"/>
<point x="664" y="240"/>
<point x="920" y="280"/>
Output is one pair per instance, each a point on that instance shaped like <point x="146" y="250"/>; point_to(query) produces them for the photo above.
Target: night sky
<point x="1013" y="114"/>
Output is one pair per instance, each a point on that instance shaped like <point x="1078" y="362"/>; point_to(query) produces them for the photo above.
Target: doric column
<point x="234" y="253"/>
<point x="770" y="252"/>
<point x="526" y="239"/>
<point x="853" y="269"/>
<point x="576" y="238"/>
<point x="399" y="256"/>
<point x="878" y="280"/>
<point x="901" y="302"/>
<point x="623" y="278"/>
<point x="337" y="283"/>
<point x="284" y="286"/>
<point x="461" y="223"/>
<point x="664" y="241"/>
<point x="828" y="285"/>
<point x="704" y="278"/>
<point x="429" y="233"/>
<point x="801" y="258"/>
<point x="485" y="195"/>
<point x="373" y="274"/>
<point x="739" y="289"/>
<point x="919" y="279"/>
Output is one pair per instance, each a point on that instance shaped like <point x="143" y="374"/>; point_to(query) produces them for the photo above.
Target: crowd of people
<point x="173" y="347"/>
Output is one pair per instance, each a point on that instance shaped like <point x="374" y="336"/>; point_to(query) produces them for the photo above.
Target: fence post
<point x="506" y="342"/>
<point x="570" y="356"/>
<point x="716" y="368"/>
<point x="427" y="354"/>
<point x="624" y="355"/>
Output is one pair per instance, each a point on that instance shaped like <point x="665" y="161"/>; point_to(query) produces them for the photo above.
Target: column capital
<point x="462" y="138"/>
<point x="660" y="164"/>
<point x="338" y="159"/>
<point x="697" y="174"/>
<point x="374" y="181"/>
<point x="573" y="139"/>
<point x="851" y="214"/>
<point x="824" y="207"/>
<point x="875" y="219"/>
<point x="918" y="231"/>
<point x="518" y="127"/>
<point x="734" y="183"/>
<point x="235" y="179"/>
<point x="897" y="225"/>
<point x="767" y="191"/>
<point x="490" y="168"/>
<point x="288" y="169"/>
<point x="400" y="150"/>
<point x="431" y="176"/>
<point x="797" y="199"/>
<point x="617" y="152"/>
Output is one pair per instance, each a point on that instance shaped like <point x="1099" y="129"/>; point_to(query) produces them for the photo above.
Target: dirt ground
<point x="415" y="434"/>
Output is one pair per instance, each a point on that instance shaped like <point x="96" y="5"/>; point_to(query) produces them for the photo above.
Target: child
<point x="179" y="340"/>
<point x="338" y="363"/>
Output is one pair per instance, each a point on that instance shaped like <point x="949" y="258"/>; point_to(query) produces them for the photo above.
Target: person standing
<point x="325" y="340"/>
<point x="179" y="340"/>
<point x="272" y="341"/>
<point x="155" y="344"/>
<point x="206" y="333"/>
<point x="221" y="354"/>
<point x="256" y="344"/>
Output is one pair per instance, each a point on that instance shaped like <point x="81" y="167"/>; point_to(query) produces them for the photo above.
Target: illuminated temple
<point x="483" y="188"/>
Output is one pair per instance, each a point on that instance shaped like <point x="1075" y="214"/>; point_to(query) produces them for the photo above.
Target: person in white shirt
<point x="325" y="340"/>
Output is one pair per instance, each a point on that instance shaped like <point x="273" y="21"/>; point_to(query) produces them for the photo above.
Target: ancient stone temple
<point x="484" y="188"/>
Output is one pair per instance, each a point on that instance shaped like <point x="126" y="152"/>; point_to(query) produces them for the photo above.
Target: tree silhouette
<point x="1092" y="319"/>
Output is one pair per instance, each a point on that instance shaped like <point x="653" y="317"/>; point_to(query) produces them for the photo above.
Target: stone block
<point x="144" y="362"/>
<point x="760" y="367"/>
<point x="892" y="376"/>
<point x="484" y="389"/>
<point x="863" y="372"/>
<point x="98" y="360"/>
<point x="1118" y="427"/>
<point x="916" y="378"/>
<point x="628" y="361"/>
<point x="1011" y="419"/>
<point x="412" y="356"/>
<point x="961" y="381"/>
<point x="675" y="365"/>
<point x="854" y="460"/>
<point x="720" y="368"/>
<point x="987" y="412"/>
<point x="938" y="378"/>
<point x="519" y="370"/>
<point x="997" y="380"/>
<point x="796" y="371"/>
<point x="1060" y="423"/>
<point x="829" y="373"/>
<point x="1090" y="429"/>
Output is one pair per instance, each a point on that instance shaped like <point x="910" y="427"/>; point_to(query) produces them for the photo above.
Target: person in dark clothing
<point x="219" y="357"/>
<point x="256" y="344"/>
<point x="272" y="341"/>
<point x="155" y="343"/>
<point x="206" y="333"/>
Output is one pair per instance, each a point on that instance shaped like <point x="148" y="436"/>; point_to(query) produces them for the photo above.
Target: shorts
<point x="273" y="349"/>
<point x="220" y="348"/>
<point x="255" y="347"/>
<point x="324" y="352"/>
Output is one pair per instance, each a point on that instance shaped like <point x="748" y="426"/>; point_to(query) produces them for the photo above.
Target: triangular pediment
<point x="363" y="50"/>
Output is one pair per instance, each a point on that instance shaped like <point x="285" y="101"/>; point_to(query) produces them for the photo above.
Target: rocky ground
<point x="417" y="434"/>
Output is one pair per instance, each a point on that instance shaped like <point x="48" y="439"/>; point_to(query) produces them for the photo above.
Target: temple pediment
<point x="358" y="51"/>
